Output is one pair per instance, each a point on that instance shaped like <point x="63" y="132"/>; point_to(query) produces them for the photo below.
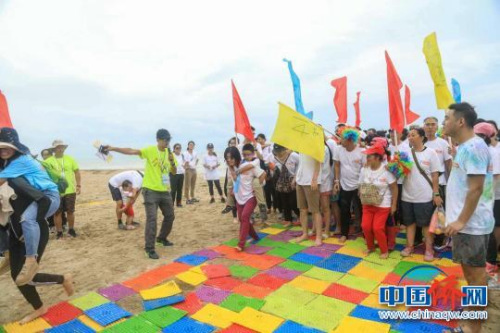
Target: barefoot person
<point x="160" y="163"/>
<point x="470" y="196"/>
<point x="379" y="197"/>
<point x="122" y="183"/>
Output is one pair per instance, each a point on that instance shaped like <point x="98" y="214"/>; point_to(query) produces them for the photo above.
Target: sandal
<point x="407" y="251"/>
<point x="429" y="256"/>
<point x="130" y="227"/>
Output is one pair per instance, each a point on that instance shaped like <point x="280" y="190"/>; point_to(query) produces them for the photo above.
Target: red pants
<point x="129" y="211"/>
<point x="246" y="228"/>
<point x="373" y="224"/>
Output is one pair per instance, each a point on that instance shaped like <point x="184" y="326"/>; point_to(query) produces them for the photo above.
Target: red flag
<point x="394" y="85"/>
<point x="241" y="122"/>
<point x="356" y="108"/>
<point x="340" y="98"/>
<point x="4" y="112"/>
<point x="409" y="114"/>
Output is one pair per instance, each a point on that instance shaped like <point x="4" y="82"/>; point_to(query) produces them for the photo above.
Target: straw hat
<point x="57" y="143"/>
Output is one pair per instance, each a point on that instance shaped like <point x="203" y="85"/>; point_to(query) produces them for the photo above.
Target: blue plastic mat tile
<point x="367" y="313"/>
<point x="419" y="326"/>
<point x="401" y="235"/>
<point x="293" y="327"/>
<point x="447" y="254"/>
<point x="262" y="235"/>
<point x="306" y="258"/>
<point x="107" y="314"/>
<point x="188" y="325"/>
<point x="192" y="259"/>
<point x="161" y="302"/>
<point x="399" y="247"/>
<point x="74" y="326"/>
<point x="339" y="263"/>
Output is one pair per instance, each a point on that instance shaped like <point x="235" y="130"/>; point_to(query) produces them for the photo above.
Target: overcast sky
<point x="81" y="70"/>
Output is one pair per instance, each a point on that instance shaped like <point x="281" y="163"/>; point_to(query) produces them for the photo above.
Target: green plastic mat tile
<point x="133" y="325"/>
<point x="375" y="258"/>
<point x="279" y="306"/>
<point x="296" y="296"/>
<point x="358" y="243"/>
<point x="269" y="242"/>
<point x="232" y="242"/>
<point x="236" y="303"/>
<point x="242" y="271"/>
<point x="278" y="226"/>
<point x="307" y="243"/>
<point x="164" y="316"/>
<point x="296" y="228"/>
<point x="89" y="301"/>
<point x="315" y="319"/>
<point x="358" y="283"/>
<point x="2" y="330"/>
<point x="293" y="247"/>
<point x="331" y="306"/>
<point x="282" y="253"/>
<point x="401" y="241"/>
<point x="404" y="266"/>
<point x="323" y="274"/>
<point x="296" y="266"/>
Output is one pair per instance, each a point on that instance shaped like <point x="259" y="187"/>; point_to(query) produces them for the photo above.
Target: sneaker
<point x="223" y="200"/>
<point x="152" y="254"/>
<point x="195" y="200"/>
<point x="121" y="226"/>
<point x="164" y="242"/>
<point x="72" y="233"/>
<point x="27" y="272"/>
<point x="212" y="200"/>
<point x="5" y="263"/>
<point x="189" y="202"/>
<point x="179" y="205"/>
<point x="52" y="230"/>
<point x="227" y="209"/>
<point x="490" y="268"/>
<point x="59" y="235"/>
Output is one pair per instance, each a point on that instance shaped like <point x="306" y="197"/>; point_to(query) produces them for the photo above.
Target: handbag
<point x="369" y="193"/>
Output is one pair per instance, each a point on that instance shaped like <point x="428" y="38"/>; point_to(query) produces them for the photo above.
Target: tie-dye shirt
<point x="472" y="158"/>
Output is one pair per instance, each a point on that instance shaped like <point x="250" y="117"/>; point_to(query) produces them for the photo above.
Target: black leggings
<point x="346" y="200"/>
<point x="270" y="194"/>
<point x="288" y="203"/>
<point x="211" y="187"/>
<point x="18" y="250"/>
<point x="177" y="183"/>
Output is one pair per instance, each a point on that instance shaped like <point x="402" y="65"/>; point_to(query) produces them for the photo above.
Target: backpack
<point x="284" y="179"/>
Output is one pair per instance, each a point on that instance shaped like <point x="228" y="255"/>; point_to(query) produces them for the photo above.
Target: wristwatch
<point x="437" y="194"/>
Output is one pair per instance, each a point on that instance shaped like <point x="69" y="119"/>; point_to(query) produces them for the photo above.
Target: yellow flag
<point x="433" y="58"/>
<point x="297" y="132"/>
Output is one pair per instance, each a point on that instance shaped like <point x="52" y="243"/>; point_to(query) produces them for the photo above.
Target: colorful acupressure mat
<point x="277" y="286"/>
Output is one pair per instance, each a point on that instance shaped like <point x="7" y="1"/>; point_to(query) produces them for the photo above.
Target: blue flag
<point x="457" y="94"/>
<point x="296" y="91"/>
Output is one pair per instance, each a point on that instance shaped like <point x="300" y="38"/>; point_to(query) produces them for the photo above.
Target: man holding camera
<point x="65" y="172"/>
<point x="160" y="163"/>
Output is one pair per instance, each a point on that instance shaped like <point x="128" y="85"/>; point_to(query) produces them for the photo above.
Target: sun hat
<point x="57" y="143"/>
<point x="10" y="139"/>
<point x="377" y="148"/>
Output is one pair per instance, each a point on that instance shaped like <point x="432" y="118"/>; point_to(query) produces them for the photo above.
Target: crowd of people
<point x="353" y="190"/>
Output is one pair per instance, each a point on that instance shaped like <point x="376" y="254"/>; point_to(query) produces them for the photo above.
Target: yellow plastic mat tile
<point x="351" y="251"/>
<point x="216" y="316"/>
<point x="351" y="324"/>
<point x="272" y="231"/>
<point x="358" y="283"/>
<point x="365" y="271"/>
<point x="309" y="284"/>
<point x="37" y="325"/>
<point x="191" y="278"/>
<point x="165" y="290"/>
<point x="258" y="321"/>
<point x="323" y="274"/>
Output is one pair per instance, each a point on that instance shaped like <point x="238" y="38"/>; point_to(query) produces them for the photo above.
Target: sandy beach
<point x="103" y="255"/>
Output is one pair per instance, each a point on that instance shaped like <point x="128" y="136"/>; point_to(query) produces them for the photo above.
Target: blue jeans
<point x="31" y="230"/>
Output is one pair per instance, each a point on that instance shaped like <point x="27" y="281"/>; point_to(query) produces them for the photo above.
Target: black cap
<point x="163" y="134"/>
<point x="10" y="138"/>
<point x="210" y="145"/>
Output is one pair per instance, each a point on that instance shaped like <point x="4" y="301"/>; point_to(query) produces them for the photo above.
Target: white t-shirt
<point x="267" y="153"/>
<point x="440" y="146"/>
<point x="292" y="163"/>
<point x="415" y="188"/>
<point x="495" y="169"/>
<point x="180" y="163"/>
<point x="351" y="164"/>
<point x="132" y="176"/>
<point x="245" y="189"/>
<point x="305" y="170"/>
<point x="211" y="161"/>
<point x="327" y="174"/>
<point x="380" y="178"/>
<point x="191" y="158"/>
<point x="472" y="158"/>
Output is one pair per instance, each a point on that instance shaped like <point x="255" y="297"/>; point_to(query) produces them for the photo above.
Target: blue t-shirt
<point x="29" y="168"/>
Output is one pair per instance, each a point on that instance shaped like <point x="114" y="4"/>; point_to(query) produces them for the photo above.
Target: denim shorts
<point x="470" y="250"/>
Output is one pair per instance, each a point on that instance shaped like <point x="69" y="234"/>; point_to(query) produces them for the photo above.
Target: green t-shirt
<point x="63" y="167"/>
<point x="156" y="173"/>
